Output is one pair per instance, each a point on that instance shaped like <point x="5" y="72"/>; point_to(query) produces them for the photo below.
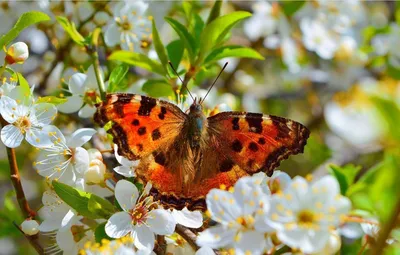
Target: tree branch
<point x="33" y="240"/>
<point x="188" y="235"/>
<point x="16" y="181"/>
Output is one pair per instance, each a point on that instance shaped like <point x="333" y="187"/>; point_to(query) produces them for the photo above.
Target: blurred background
<point x="331" y="65"/>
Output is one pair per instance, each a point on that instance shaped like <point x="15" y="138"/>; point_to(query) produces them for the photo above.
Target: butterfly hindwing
<point x="139" y="124"/>
<point x="254" y="141"/>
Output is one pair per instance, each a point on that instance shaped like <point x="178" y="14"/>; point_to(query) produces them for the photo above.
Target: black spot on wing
<point x="135" y="122"/>
<point x="253" y="146"/>
<point x="254" y="121"/>
<point x="141" y="131"/>
<point x="155" y="135"/>
<point x="159" y="158"/>
<point x="237" y="146"/>
<point x="226" y="165"/>
<point x="139" y="147"/>
<point x="235" y="123"/>
<point x="261" y="141"/>
<point x="146" y="105"/>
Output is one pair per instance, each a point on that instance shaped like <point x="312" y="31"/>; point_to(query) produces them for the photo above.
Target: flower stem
<point x="188" y="235"/>
<point x="386" y="230"/>
<point x="16" y="181"/>
<point x="2" y="68"/>
<point x="99" y="78"/>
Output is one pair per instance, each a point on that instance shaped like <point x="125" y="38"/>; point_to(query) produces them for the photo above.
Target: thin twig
<point x="188" y="235"/>
<point x="33" y="240"/>
<point x="387" y="229"/>
<point x="16" y="181"/>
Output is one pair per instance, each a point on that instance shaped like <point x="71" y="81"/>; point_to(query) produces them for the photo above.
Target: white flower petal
<point x="143" y="238"/>
<point x="77" y="83"/>
<point x="126" y="194"/>
<point x="216" y="237"/>
<point x="81" y="160"/>
<point x="38" y="137"/>
<point x="73" y="104"/>
<point x="68" y="219"/>
<point x="112" y="35"/>
<point x="125" y="171"/>
<point x="54" y="133"/>
<point x="205" y="251"/>
<point x="44" y="113"/>
<point x="187" y="218"/>
<point x="248" y="195"/>
<point x="118" y="225"/>
<point x="222" y="206"/>
<point x="304" y="239"/>
<point x="8" y="109"/>
<point x="87" y="111"/>
<point x="161" y="222"/>
<point x="80" y="137"/>
<point x="11" y="136"/>
<point x="252" y="241"/>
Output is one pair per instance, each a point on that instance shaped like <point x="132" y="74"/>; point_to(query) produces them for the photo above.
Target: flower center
<point x="124" y="23"/>
<point x="23" y="123"/>
<point x="274" y="186"/>
<point x="78" y="232"/>
<point x="246" y="221"/>
<point x="90" y="97"/>
<point x="139" y="215"/>
<point x="306" y="217"/>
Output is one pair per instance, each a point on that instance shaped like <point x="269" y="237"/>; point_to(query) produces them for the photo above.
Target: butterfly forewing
<point x="140" y="125"/>
<point x="254" y="141"/>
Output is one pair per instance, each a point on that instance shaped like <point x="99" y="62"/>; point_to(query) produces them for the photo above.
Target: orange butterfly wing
<point x="256" y="142"/>
<point x="140" y="125"/>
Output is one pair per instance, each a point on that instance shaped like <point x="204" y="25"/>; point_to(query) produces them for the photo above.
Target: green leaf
<point x="27" y="19"/>
<point x="116" y="77"/>
<point x="75" y="198"/>
<point x="215" y="11"/>
<point x="85" y="203"/>
<point x="159" y="47"/>
<point x="100" y="233"/>
<point x="24" y="85"/>
<point x="188" y="10"/>
<point x="231" y="51"/>
<point x="186" y="37"/>
<point x="158" y="88"/>
<point x="139" y="60"/>
<point x="52" y="100"/>
<point x="291" y="7"/>
<point x="101" y="207"/>
<point x="216" y="31"/>
<point x="390" y="116"/>
<point x="175" y="52"/>
<point x="70" y="28"/>
<point x="345" y="175"/>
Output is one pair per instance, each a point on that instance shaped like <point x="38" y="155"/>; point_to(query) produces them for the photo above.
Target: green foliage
<point x="116" y="77"/>
<point x="9" y="213"/>
<point x="186" y="37"/>
<point x="345" y="175"/>
<point x="26" y="91"/>
<point x="175" y="52"/>
<point x="70" y="28"/>
<point x="390" y="116"/>
<point x="215" y="32"/>
<point x="137" y="59"/>
<point x="231" y="51"/>
<point x="290" y="7"/>
<point x="52" y="100"/>
<point x="27" y="19"/>
<point x="215" y="11"/>
<point x="159" y="47"/>
<point x="158" y="88"/>
<point x="85" y="203"/>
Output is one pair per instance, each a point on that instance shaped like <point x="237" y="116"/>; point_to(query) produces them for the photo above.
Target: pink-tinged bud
<point x="17" y="53"/>
<point x="30" y="227"/>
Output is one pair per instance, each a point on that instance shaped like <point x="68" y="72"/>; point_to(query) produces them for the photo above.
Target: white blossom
<point x="17" y="53"/>
<point x="138" y="218"/>
<point x="30" y="227"/>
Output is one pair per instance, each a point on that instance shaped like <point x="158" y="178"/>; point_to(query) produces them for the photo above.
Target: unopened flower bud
<point x="96" y="171"/>
<point x="17" y="53"/>
<point x="30" y="227"/>
<point x="101" y="18"/>
<point x="95" y="154"/>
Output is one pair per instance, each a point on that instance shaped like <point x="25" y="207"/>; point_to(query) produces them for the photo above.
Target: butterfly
<point x="185" y="155"/>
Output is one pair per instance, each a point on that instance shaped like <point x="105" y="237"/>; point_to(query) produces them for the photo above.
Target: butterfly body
<point x="186" y="155"/>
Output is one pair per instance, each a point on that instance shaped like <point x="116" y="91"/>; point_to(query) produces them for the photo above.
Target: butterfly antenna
<point x="212" y="85"/>
<point x="169" y="62"/>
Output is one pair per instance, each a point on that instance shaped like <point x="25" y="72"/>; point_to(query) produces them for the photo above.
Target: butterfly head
<point x="196" y="106"/>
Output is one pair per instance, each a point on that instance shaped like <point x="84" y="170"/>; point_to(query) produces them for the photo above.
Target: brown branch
<point x="385" y="232"/>
<point x="16" y="181"/>
<point x="161" y="246"/>
<point x="33" y="240"/>
<point x="188" y="235"/>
